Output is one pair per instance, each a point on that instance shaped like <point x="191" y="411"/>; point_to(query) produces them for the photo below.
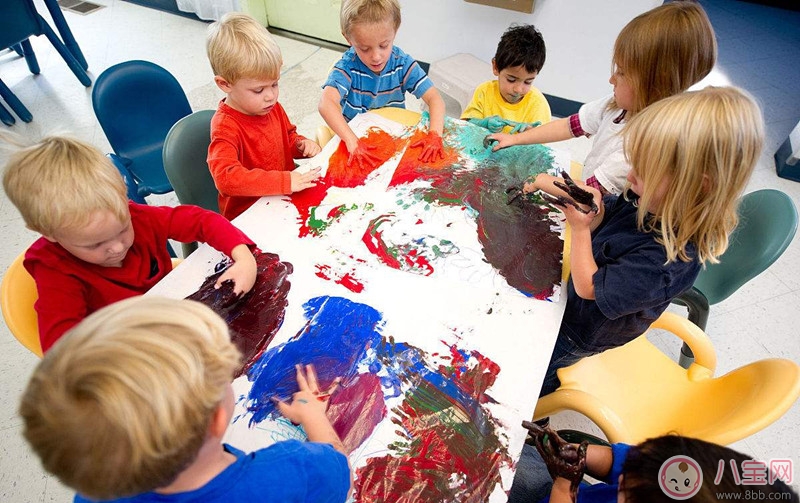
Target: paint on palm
<point x="434" y="218"/>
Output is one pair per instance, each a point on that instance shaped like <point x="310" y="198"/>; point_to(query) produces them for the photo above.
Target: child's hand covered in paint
<point x="493" y="123"/>
<point x="432" y="147"/>
<point x="363" y="155"/>
<point x="309" y="404"/>
<point x="302" y="181"/>
<point x="309" y="148"/>
<point x="501" y="140"/>
<point x="242" y="272"/>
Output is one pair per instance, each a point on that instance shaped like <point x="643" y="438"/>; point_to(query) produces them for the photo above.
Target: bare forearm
<point x="560" y="493"/>
<point x="599" y="460"/>
<point x="582" y="263"/>
<point x="331" y="113"/>
<point x="557" y="130"/>
<point x="319" y="429"/>
<point x="435" y="109"/>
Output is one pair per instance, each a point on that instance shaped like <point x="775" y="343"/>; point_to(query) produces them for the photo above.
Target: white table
<point x="444" y="366"/>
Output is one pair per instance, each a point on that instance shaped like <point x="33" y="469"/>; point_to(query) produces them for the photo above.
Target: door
<point x="314" y="18"/>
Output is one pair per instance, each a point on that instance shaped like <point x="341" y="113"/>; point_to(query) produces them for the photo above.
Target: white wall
<point x="579" y="35"/>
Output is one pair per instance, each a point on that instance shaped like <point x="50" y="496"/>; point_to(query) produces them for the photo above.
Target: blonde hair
<point x="239" y="47"/>
<point x="368" y="12"/>
<point x="122" y="403"/>
<point x="59" y="183"/>
<point x="705" y="145"/>
<point x="664" y="51"/>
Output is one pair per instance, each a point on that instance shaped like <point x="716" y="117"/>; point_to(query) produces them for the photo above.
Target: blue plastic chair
<point x="15" y="104"/>
<point x="20" y="20"/>
<point x="136" y="103"/>
<point x="767" y="224"/>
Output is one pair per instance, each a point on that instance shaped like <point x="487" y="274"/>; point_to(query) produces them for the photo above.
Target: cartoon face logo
<point x="680" y="477"/>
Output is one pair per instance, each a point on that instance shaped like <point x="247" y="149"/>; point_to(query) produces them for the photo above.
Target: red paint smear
<point x="411" y="168"/>
<point x="357" y="409"/>
<point x="254" y="318"/>
<point x="347" y="280"/>
<point x="373" y="239"/>
<point x="474" y="379"/>
<point x="418" y="262"/>
<point x="339" y="174"/>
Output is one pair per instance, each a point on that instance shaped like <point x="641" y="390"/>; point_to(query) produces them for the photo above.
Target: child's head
<point x="246" y="62"/>
<point x="370" y="27"/>
<point x="691" y="156"/>
<point x="123" y="402"/>
<point x="519" y="58"/>
<point x="72" y="194"/>
<point x="642" y="469"/>
<point x="660" y="53"/>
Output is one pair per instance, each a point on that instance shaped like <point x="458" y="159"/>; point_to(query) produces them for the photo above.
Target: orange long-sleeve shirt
<point x="251" y="156"/>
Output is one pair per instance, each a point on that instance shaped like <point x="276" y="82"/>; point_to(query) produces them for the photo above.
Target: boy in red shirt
<point x="98" y="247"/>
<point x="253" y="144"/>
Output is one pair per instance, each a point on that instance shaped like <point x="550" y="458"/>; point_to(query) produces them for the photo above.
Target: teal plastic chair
<point x="767" y="224"/>
<point x="136" y="103"/>
<point x="184" y="154"/>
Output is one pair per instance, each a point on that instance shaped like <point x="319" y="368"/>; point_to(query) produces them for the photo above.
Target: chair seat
<point x="17" y="296"/>
<point x="148" y="170"/>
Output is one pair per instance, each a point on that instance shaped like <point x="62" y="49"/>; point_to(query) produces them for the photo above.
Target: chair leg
<point x="67" y="56"/>
<point x="6" y="117"/>
<point x="30" y="56"/>
<point x="14" y="102"/>
<point x="18" y="49"/>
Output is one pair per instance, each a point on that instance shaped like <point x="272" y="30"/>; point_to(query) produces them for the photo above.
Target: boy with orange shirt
<point x="253" y="143"/>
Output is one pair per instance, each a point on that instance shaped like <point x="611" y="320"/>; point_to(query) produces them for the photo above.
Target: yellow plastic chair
<point x="18" y="294"/>
<point x="636" y="392"/>
<point x="401" y="115"/>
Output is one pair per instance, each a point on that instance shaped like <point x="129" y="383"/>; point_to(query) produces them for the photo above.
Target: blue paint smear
<point x="343" y="338"/>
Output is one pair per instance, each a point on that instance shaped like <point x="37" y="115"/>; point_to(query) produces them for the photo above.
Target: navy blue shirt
<point x="633" y="284"/>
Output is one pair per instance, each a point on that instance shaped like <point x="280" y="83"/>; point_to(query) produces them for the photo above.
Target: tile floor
<point x="758" y="50"/>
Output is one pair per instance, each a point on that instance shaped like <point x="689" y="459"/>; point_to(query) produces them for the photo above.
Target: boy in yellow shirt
<point x="511" y="103"/>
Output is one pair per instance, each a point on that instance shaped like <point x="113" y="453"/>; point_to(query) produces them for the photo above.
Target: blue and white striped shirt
<point x="361" y="89"/>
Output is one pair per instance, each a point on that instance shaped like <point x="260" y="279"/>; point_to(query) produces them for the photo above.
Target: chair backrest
<point x="17" y="297"/>
<point x="635" y="391"/>
<point x="767" y="224"/>
<point x="185" y="152"/>
<point x="19" y="21"/>
<point x="136" y="103"/>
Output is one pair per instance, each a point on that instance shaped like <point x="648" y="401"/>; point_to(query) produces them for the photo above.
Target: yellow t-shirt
<point x="487" y="101"/>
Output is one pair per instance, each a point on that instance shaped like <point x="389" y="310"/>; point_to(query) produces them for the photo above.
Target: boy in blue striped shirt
<point x="375" y="73"/>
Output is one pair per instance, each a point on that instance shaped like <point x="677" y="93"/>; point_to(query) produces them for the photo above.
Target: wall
<point x="578" y="34"/>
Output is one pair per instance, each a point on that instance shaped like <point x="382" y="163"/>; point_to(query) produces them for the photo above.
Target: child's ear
<point x="223" y="84"/>
<point x="494" y="68"/>
<point x="219" y="421"/>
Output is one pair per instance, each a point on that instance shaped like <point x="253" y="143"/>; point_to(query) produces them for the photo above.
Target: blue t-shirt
<point x="289" y="471"/>
<point x="633" y="284"/>
<point x="362" y="90"/>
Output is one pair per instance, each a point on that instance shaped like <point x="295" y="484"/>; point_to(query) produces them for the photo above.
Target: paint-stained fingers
<point x="311" y="378"/>
<point x="334" y="386"/>
<point x="302" y="383"/>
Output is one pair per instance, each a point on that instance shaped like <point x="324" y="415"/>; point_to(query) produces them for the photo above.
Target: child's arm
<point x="331" y="112"/>
<point x="582" y="263"/>
<point x="557" y="130"/>
<point x="61" y="304"/>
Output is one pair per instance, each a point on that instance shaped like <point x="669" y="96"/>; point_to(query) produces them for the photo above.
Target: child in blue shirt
<point x="375" y="73"/>
<point x="131" y="406"/>
<point x="661" y="469"/>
